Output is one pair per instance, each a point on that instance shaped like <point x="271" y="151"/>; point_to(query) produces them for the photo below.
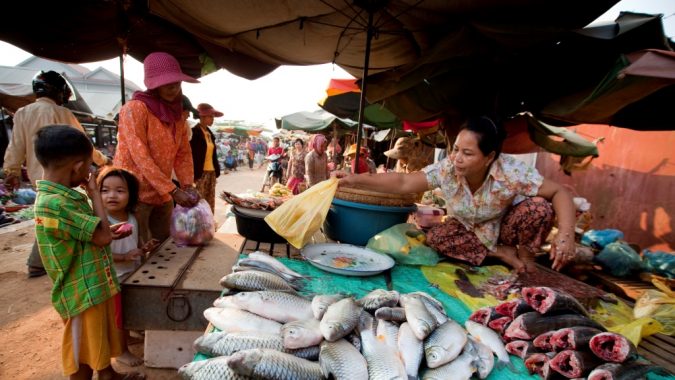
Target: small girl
<point x="119" y="192"/>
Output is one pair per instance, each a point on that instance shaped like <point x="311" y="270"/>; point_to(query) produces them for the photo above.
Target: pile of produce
<point x="554" y="334"/>
<point x="269" y="331"/>
<point x="257" y="201"/>
<point x="279" y="190"/>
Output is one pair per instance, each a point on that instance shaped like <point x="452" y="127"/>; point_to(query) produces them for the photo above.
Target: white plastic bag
<point x="192" y="225"/>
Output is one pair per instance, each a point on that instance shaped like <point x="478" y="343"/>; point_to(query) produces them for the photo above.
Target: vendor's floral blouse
<point x="508" y="180"/>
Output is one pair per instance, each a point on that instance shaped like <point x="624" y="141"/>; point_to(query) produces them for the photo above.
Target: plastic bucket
<point x="255" y="228"/>
<point x="355" y="223"/>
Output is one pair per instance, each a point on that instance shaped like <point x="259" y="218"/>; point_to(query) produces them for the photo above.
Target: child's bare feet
<point x="509" y="256"/>
<point x="129" y="359"/>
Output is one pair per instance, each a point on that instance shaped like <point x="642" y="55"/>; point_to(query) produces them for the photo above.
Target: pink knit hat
<point x="162" y="68"/>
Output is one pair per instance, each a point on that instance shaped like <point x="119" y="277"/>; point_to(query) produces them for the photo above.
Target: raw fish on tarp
<point x="612" y="347"/>
<point x="573" y="338"/>
<point x="444" y="344"/>
<point x="628" y="371"/>
<point x="513" y="308"/>
<point x="411" y="350"/>
<point x="490" y="338"/>
<point x="533" y="324"/>
<point x="484" y="360"/>
<point x="548" y="301"/>
<point x="340" y="319"/>
<point x="252" y="280"/>
<point x="214" y="368"/>
<point x="500" y="324"/>
<point x="378" y="298"/>
<point x="543" y="341"/>
<point x="396" y="314"/>
<point x="320" y="303"/>
<point x="485" y="314"/>
<point x="461" y="368"/>
<point x="278" y="306"/>
<point x="573" y="364"/>
<point x="421" y="321"/>
<point x="341" y="360"/>
<point x="300" y="334"/>
<point x="221" y="343"/>
<point x="229" y="319"/>
<point x="271" y="364"/>
<point x="383" y="361"/>
<point x="536" y="362"/>
<point x="522" y="348"/>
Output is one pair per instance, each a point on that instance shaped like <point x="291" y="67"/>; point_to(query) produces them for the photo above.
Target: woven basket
<point x="376" y="198"/>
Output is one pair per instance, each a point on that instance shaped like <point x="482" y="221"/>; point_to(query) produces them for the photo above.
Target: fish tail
<point x="507" y="363"/>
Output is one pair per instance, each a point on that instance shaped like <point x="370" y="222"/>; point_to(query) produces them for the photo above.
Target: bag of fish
<point x="192" y="225"/>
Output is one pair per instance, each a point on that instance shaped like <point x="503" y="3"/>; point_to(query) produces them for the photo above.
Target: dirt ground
<point x="30" y="328"/>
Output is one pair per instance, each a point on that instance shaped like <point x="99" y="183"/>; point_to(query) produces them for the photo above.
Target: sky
<point x="291" y="89"/>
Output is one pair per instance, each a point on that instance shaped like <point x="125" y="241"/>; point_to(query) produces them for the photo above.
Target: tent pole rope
<point x="364" y="82"/>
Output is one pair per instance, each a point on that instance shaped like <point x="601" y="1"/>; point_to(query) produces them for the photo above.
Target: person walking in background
<point x="204" y="156"/>
<point x="250" y="148"/>
<point x="52" y="92"/>
<point x="153" y="142"/>
<point x="296" y="166"/>
<point x="316" y="161"/>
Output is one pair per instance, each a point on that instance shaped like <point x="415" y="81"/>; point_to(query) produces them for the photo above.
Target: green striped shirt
<point x="83" y="273"/>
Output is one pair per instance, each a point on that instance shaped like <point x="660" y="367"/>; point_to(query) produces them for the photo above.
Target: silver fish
<point x="444" y="344"/>
<point x="224" y="344"/>
<point x="229" y="319"/>
<point x="379" y="298"/>
<point x="342" y="360"/>
<point x="278" y="306"/>
<point x="273" y="365"/>
<point x="490" y="338"/>
<point x="418" y="316"/>
<point x="225" y="301"/>
<point x="387" y="331"/>
<point x="293" y="282"/>
<point x="383" y="361"/>
<point x="340" y="319"/>
<point x="300" y="334"/>
<point x="252" y="280"/>
<point x="433" y="306"/>
<point x="274" y="263"/>
<point x="320" y="303"/>
<point x="210" y="369"/>
<point x="461" y="368"/>
<point x="251" y="264"/>
<point x="411" y="350"/>
<point x="396" y="314"/>
<point x="485" y="360"/>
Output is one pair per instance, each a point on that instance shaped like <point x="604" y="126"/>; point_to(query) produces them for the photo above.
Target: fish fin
<point x="501" y="364"/>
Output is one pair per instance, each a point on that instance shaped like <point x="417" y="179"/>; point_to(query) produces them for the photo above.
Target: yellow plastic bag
<point x="659" y="305"/>
<point x="301" y="216"/>
<point x="619" y="318"/>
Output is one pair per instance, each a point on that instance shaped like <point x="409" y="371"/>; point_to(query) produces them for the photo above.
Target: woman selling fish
<point x="498" y="206"/>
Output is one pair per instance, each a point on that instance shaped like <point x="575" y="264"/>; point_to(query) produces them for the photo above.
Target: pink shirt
<point x="152" y="150"/>
<point x="481" y="212"/>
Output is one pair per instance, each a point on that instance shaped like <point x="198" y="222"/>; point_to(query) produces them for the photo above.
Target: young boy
<point x="74" y="246"/>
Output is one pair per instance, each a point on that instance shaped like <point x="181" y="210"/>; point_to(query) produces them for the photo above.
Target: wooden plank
<point x="662" y="339"/>
<point x="212" y="263"/>
<point x="658" y="360"/>
<point x="656" y="350"/>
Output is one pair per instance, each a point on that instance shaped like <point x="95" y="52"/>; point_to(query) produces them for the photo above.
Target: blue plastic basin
<point x="355" y="223"/>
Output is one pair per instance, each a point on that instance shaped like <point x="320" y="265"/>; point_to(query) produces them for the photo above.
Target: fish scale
<point x="342" y="360"/>
<point x="210" y="369"/>
<point x="278" y="306"/>
<point x="383" y="361"/>
<point x="225" y="344"/>
<point x="274" y="365"/>
<point x="255" y="280"/>
<point x="340" y="319"/>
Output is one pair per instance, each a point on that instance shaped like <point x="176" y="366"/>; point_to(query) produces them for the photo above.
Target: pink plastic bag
<point x="194" y="225"/>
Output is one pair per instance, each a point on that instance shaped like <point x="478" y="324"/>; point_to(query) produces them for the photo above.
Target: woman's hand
<point x="563" y="249"/>
<point x="345" y="178"/>
<point x="185" y="198"/>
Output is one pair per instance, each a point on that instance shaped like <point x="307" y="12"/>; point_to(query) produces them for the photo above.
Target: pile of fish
<point x="554" y="334"/>
<point x="269" y="331"/>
